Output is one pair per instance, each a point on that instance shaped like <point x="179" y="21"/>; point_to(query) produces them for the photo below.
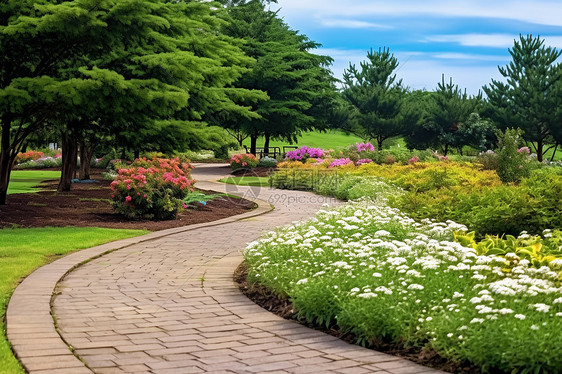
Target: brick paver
<point x="166" y="303"/>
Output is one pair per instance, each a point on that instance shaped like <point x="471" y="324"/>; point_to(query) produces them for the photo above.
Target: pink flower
<point x="364" y="161"/>
<point x="128" y="198"/>
<point x="364" y="147"/>
<point x="340" y="162"/>
<point x="413" y="160"/>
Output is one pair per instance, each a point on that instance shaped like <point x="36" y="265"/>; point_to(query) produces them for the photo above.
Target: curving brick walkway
<point x="166" y="303"/>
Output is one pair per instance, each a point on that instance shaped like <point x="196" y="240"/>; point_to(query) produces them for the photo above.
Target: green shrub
<point x="512" y="160"/>
<point x="488" y="160"/>
<point x="267" y="162"/>
<point x="221" y="151"/>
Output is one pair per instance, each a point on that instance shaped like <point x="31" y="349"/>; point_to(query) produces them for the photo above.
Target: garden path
<point x="166" y="303"/>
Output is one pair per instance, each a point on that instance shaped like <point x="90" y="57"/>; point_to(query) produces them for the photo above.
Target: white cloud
<point x="489" y="40"/>
<point x="420" y="70"/>
<point x="476" y="40"/>
<point x="543" y="12"/>
<point x="468" y="57"/>
<point x="352" y="24"/>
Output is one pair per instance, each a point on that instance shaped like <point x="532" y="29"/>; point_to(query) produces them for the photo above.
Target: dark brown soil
<point x="284" y="308"/>
<point x="255" y="172"/>
<point x="88" y="205"/>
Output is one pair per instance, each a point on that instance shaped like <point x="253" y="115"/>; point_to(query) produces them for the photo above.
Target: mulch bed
<point x="255" y="172"/>
<point x="284" y="308"/>
<point x="88" y="205"/>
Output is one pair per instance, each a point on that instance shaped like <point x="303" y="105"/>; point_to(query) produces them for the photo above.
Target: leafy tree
<point x="377" y="101"/>
<point x="531" y="95"/>
<point x="144" y="70"/>
<point x="297" y="81"/>
<point x="453" y="120"/>
<point x="420" y="135"/>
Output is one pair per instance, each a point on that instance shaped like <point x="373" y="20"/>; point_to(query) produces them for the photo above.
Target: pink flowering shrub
<point x="363" y="161"/>
<point x="304" y="153"/>
<point x="151" y="189"/>
<point x="340" y="162"/>
<point x="244" y="161"/>
<point x="413" y="160"/>
<point x="361" y="147"/>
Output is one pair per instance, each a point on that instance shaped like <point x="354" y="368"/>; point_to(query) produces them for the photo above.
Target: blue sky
<point x="465" y="40"/>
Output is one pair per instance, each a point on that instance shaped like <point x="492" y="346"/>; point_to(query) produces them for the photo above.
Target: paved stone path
<point x="166" y="303"/>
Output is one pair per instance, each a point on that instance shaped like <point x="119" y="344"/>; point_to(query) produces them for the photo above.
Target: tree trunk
<point x="540" y="150"/>
<point x="266" y="143"/>
<point x="86" y="154"/>
<point x="137" y="154"/>
<point x="446" y="150"/>
<point x="69" y="157"/>
<point x="240" y="138"/>
<point x="253" y="143"/>
<point x="554" y="152"/>
<point x="7" y="158"/>
<point x="123" y="154"/>
<point x="380" y="140"/>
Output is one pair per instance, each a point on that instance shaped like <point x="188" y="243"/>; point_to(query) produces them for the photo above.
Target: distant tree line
<point x="376" y="107"/>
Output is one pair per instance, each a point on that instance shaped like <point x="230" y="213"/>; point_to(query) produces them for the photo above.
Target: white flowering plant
<point x="374" y="272"/>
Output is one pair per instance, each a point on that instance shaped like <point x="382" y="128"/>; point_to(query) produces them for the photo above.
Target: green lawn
<point x="24" y="250"/>
<point x="315" y="139"/>
<point x="247" y="181"/>
<point x="23" y="181"/>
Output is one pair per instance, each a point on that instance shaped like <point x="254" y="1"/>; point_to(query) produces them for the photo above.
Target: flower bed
<point x="152" y="189"/>
<point x="28" y="156"/>
<point x="243" y="161"/>
<point x="304" y="153"/>
<point x="462" y="192"/>
<point x="378" y="274"/>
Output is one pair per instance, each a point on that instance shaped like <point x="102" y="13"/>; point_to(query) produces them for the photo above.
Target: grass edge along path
<point x="23" y="250"/>
<point x="247" y="181"/>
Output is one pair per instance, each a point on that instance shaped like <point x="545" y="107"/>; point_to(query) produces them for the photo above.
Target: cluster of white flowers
<point x="369" y="253"/>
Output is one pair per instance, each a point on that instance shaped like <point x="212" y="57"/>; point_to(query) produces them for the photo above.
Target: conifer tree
<point x="377" y="101"/>
<point x="530" y="97"/>
<point x="297" y="81"/>
<point x="453" y="117"/>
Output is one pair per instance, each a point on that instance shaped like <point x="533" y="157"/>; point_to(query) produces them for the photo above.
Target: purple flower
<point x="340" y="162"/>
<point x="303" y="153"/>
<point x="364" y="147"/>
<point x="363" y="161"/>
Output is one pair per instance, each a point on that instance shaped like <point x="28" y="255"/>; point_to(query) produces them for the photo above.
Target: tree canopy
<point x="531" y="96"/>
<point x="297" y="82"/>
<point x="453" y="119"/>
<point x="378" y="107"/>
<point x="137" y="69"/>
